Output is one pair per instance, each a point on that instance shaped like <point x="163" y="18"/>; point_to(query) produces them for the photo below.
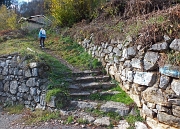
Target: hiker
<point x="42" y="36"/>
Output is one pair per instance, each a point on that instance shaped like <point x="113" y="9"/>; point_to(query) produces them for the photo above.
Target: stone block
<point x="176" y="110"/>
<point x="161" y="108"/>
<point x="132" y="51"/>
<point x="136" y="63"/>
<point x="170" y="70"/>
<point x="117" y="107"/>
<point x="104" y="121"/>
<point x="148" y="112"/>
<point x="150" y="60"/>
<point x="156" y="96"/>
<point x="117" y="51"/>
<point x="13" y="87"/>
<point x="159" y="46"/>
<point x="174" y="101"/>
<point x="168" y="119"/>
<point x="137" y="99"/>
<point x="157" y="125"/>
<point x="175" y="45"/>
<point x="164" y="81"/>
<point x="140" y="125"/>
<point x="31" y="82"/>
<point x="175" y="85"/>
<point x="33" y="65"/>
<point x="145" y="78"/>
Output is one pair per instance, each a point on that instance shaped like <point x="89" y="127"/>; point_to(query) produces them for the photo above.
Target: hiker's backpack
<point x="43" y="32"/>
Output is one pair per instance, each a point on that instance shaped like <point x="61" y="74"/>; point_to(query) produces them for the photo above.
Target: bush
<point x="66" y="12"/>
<point x="8" y="18"/>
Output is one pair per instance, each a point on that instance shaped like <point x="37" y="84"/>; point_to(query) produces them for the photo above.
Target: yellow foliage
<point x="8" y="18"/>
<point x="66" y="12"/>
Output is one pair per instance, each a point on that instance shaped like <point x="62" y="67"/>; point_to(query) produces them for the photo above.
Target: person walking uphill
<point x="42" y="37"/>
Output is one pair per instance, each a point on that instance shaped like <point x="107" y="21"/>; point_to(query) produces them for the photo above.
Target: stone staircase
<point x="88" y="82"/>
<point x="82" y="85"/>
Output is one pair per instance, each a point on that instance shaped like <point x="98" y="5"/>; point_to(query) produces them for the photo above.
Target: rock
<point x="120" y="46"/>
<point x="1" y="87"/>
<point x="148" y="112"/>
<point x="52" y="103"/>
<point x="87" y="117"/>
<point x="161" y="108"/>
<point x="34" y="72"/>
<point x="13" y="87"/>
<point x="159" y="46"/>
<point x="156" y="125"/>
<point x="137" y="99"/>
<point x="36" y="99"/>
<point x="150" y="60"/>
<point x="164" y="81"/>
<point x="117" y="107"/>
<point x="31" y="82"/>
<point x="167" y="38"/>
<point x="104" y="121"/>
<point x="33" y="65"/>
<point x="174" y="101"/>
<point x="83" y="105"/>
<point x="136" y="63"/>
<point x="109" y="92"/>
<point x="27" y="73"/>
<point x="38" y="106"/>
<point x="176" y="110"/>
<point x="175" y="45"/>
<point x="42" y="100"/>
<point x="23" y="88"/>
<point x="145" y="78"/>
<point x="168" y="119"/>
<point x="140" y="125"/>
<point x="125" y="53"/>
<point x="170" y="70"/>
<point x="127" y="64"/>
<point x="33" y="91"/>
<point x="109" y="48"/>
<point x="132" y="51"/>
<point x="123" y="124"/>
<point x="117" y="51"/>
<point x="175" y="85"/>
<point x="64" y="113"/>
<point x="5" y="71"/>
<point x="6" y="86"/>
<point x="156" y="96"/>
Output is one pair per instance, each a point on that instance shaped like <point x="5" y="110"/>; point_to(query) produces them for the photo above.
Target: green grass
<point x="38" y="116"/>
<point x="131" y="119"/>
<point x="14" y="109"/>
<point x="120" y="97"/>
<point x="70" y="119"/>
<point x="73" y="53"/>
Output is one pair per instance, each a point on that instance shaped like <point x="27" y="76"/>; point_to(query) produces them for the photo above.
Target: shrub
<point x="66" y="12"/>
<point x="8" y="18"/>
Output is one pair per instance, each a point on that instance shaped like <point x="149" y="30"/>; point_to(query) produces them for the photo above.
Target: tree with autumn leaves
<point x="8" y="18"/>
<point x="67" y="12"/>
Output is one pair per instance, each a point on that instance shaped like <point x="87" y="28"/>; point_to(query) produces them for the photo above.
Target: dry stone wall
<point x="22" y="82"/>
<point x="145" y="76"/>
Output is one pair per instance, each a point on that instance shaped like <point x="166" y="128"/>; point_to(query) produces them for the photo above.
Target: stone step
<point x="97" y="85"/>
<point x="92" y="85"/>
<point x="91" y="78"/>
<point x="80" y="93"/>
<point x="86" y="73"/>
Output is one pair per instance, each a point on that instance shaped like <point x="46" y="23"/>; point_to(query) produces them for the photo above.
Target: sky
<point x="23" y="1"/>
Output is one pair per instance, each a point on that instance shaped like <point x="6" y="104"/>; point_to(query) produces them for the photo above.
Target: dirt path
<point x="12" y="122"/>
<point x="64" y="62"/>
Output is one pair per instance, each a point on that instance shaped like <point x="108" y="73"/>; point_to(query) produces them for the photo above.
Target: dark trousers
<point x="42" y="39"/>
